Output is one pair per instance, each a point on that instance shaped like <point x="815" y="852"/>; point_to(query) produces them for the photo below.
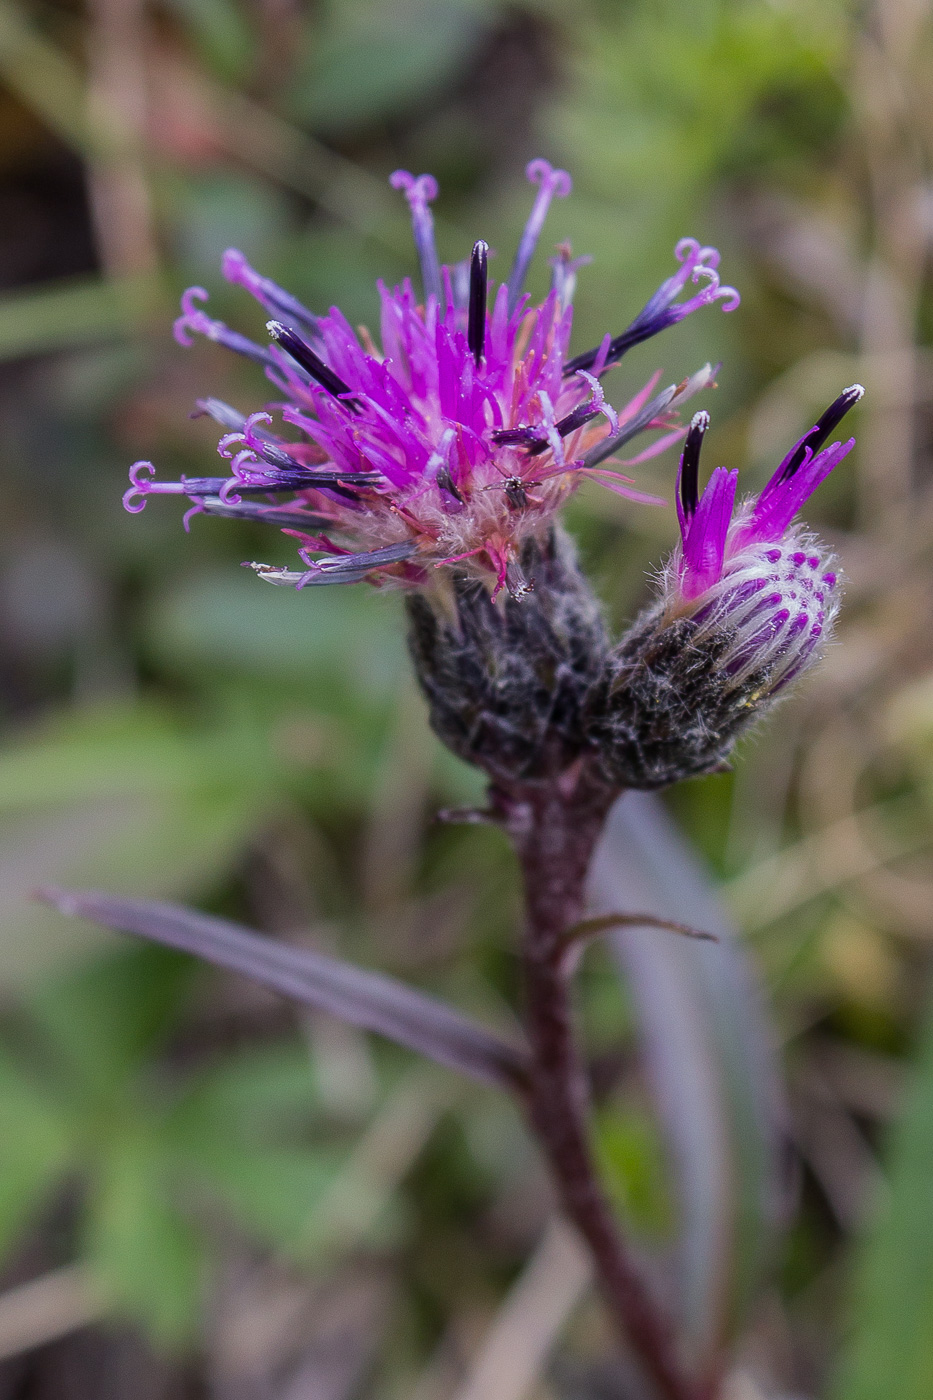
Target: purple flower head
<point x="751" y="574"/>
<point x="457" y="440"/>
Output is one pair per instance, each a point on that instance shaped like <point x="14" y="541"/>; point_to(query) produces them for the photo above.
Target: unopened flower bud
<point x="747" y="604"/>
<point x="505" y="681"/>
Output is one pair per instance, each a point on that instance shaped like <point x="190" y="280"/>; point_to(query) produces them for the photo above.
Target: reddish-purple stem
<point x="555" y="828"/>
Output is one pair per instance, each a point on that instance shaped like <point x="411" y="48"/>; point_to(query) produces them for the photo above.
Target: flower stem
<point x="555" y="830"/>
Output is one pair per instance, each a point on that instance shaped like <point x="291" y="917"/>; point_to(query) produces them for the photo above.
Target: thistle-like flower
<point x="748" y="598"/>
<point x="456" y="443"/>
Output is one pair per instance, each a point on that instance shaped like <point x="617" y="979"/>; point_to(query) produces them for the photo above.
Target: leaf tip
<point x="65" y="901"/>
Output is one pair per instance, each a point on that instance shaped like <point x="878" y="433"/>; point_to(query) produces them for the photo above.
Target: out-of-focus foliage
<point x="166" y="1153"/>
<point x="256" y="1186"/>
<point x="892" y="1350"/>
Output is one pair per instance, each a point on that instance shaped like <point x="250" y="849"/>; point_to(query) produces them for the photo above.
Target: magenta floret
<point x="457" y="440"/>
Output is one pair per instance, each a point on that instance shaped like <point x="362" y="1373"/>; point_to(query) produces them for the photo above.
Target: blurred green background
<point x="202" y="1191"/>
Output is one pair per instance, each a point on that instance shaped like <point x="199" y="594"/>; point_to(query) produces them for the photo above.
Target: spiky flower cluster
<point x="458" y="441"/>
<point x="452" y="449"/>
<point x="747" y="600"/>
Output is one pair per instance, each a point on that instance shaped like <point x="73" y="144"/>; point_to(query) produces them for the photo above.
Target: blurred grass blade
<point x="47" y="1308"/>
<point x="515" y="1351"/>
<point x="891" y="1349"/>
<point x="361" y="1193"/>
<point x="370" y="1000"/>
<point x="45" y="78"/>
<point x="36" y="1144"/>
<point x="222" y="32"/>
<point x="74" y="311"/>
<point x="708" y="1058"/>
<point x="371" y="60"/>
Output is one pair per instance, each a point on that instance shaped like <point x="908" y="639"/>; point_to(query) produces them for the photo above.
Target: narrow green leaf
<point x="259" y="1093"/>
<point x="104" y="1018"/>
<point x="631" y="1156"/>
<point x="222" y="33"/>
<point x="127" y="796"/>
<point x="891" y="1350"/>
<point x="118" y="752"/>
<point x="76" y="311"/>
<point x="146" y="1259"/>
<point x="370" y="60"/>
<point x="271" y="1191"/>
<point x="35" y="1147"/>
<point x="45" y="78"/>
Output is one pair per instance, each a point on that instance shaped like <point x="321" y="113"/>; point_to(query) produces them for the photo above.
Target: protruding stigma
<point x="823" y="428"/>
<point x="306" y="357"/>
<point x="690" y="464"/>
<point x="552" y="183"/>
<point x="419" y="191"/>
<point x="476" y="324"/>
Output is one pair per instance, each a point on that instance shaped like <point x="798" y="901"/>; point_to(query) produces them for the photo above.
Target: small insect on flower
<point x="454" y="445"/>
<point x="748" y="598"/>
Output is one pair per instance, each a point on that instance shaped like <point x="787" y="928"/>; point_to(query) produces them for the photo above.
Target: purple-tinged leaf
<point x="370" y="1000"/>
<point x="709" y="1060"/>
